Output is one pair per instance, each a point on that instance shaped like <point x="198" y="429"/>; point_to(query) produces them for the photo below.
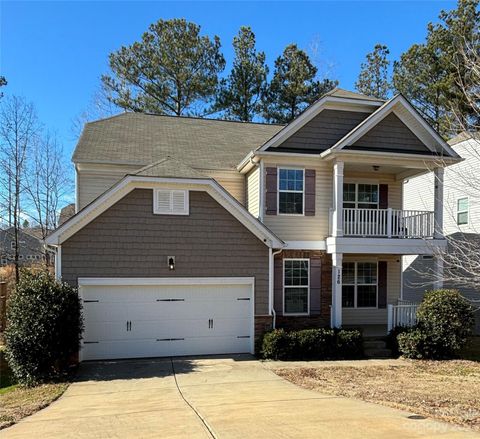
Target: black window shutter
<point x="271" y="193"/>
<point x="383" y="196"/>
<point x="309" y="192"/>
<point x="382" y="284"/>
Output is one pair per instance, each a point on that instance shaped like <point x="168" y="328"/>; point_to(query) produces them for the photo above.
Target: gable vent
<point x="170" y="202"/>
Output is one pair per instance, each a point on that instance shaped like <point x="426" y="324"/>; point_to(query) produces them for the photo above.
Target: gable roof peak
<point x="347" y="94"/>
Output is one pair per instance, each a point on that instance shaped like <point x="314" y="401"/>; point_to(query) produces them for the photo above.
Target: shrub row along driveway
<point x="225" y="398"/>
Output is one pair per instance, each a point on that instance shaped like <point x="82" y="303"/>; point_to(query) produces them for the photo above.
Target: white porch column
<point x="337" y="229"/>
<point x="438" y="203"/>
<point x="336" y="314"/>
<point x="58" y="263"/>
<point x="438" y="267"/>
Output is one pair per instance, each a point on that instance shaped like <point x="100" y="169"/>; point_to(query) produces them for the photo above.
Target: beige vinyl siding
<point x="395" y="187"/>
<point x="316" y="228"/>
<point x="253" y="192"/>
<point x="94" y="180"/>
<point x="231" y="180"/>
<point x="299" y="227"/>
<point x="359" y="316"/>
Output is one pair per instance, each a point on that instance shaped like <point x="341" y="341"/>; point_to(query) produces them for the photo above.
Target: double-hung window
<point x="360" y="195"/>
<point x="360" y="285"/>
<point x="291" y="184"/>
<point x="462" y="211"/>
<point x="296" y="286"/>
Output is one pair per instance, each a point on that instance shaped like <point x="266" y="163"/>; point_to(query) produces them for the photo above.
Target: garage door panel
<point x="162" y="348"/>
<point x="166" y="320"/>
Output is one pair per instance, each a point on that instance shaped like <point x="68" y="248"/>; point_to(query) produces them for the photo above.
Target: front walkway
<point x="235" y="397"/>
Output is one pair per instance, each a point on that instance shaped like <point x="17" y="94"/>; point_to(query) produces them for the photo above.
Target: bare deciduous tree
<point x="461" y="260"/>
<point x="99" y="107"/>
<point x="18" y="130"/>
<point x="47" y="185"/>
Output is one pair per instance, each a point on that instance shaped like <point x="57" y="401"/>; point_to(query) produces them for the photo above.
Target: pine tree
<point x="172" y="70"/>
<point x="373" y="77"/>
<point x="240" y="94"/>
<point x="294" y="86"/>
<point x="430" y="74"/>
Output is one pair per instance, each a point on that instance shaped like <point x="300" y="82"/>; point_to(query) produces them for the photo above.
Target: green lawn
<point x="16" y="401"/>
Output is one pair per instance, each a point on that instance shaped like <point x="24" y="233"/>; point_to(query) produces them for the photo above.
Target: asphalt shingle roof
<point x="169" y="167"/>
<point x="135" y="138"/>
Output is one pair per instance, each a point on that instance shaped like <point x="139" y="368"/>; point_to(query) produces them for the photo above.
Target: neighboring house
<point x="30" y="246"/>
<point x="195" y="236"/>
<point x="461" y="216"/>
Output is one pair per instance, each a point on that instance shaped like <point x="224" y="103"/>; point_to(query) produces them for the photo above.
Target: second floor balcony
<point x="387" y="223"/>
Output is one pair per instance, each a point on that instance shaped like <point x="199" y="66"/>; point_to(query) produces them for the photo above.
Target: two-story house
<point x="31" y="248"/>
<point x="461" y="217"/>
<point x="195" y="236"/>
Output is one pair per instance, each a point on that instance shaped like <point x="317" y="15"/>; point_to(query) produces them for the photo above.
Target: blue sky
<point x="53" y="53"/>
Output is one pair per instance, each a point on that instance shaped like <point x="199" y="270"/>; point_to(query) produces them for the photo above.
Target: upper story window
<point x="359" y="285"/>
<point x="291" y="183"/>
<point x="170" y="202"/>
<point x="360" y="196"/>
<point x="296" y="286"/>
<point x="12" y="245"/>
<point x="462" y="211"/>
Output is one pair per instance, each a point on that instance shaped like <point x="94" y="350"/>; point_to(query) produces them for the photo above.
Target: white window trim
<point x="356" y="285"/>
<point x="156" y="210"/>
<point x="356" y="202"/>
<point x="12" y="245"/>
<point x="296" y="286"/>
<point x="463" y="211"/>
<point x="290" y="168"/>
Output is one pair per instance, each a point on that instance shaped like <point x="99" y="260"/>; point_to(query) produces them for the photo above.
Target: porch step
<point x="378" y="353"/>
<point x="376" y="348"/>
<point x="374" y="344"/>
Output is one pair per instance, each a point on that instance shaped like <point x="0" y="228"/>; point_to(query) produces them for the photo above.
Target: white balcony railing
<point x="401" y="315"/>
<point x="389" y="223"/>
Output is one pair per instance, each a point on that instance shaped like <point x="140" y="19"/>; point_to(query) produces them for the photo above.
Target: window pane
<point x="348" y="275"/>
<point x="462" y="205"/>
<point x="299" y="180"/>
<point x="348" y="294"/>
<point x="296" y="272"/>
<point x="367" y="193"/>
<point x="366" y="273"/>
<point x="291" y="180"/>
<point x="349" y="192"/>
<point x="462" y="218"/>
<point x="290" y="202"/>
<point x="282" y="175"/>
<point x="366" y="296"/>
<point x="296" y="300"/>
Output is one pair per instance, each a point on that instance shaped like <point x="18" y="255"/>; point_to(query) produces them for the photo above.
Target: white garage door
<point x="132" y="318"/>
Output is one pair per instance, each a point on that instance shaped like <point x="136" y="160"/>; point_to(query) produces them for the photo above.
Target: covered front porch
<point x="367" y="293"/>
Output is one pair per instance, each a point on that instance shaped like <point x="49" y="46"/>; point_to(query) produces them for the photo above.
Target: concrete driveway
<point x="235" y="397"/>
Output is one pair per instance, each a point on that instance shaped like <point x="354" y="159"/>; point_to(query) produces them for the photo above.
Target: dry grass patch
<point x="446" y="390"/>
<point x="18" y="402"/>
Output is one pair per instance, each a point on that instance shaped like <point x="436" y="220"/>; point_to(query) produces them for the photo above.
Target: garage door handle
<point x="210" y="323"/>
<point x="129" y="325"/>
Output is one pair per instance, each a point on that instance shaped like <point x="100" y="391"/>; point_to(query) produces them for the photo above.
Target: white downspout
<point x="272" y="255"/>
<point x="58" y="263"/>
